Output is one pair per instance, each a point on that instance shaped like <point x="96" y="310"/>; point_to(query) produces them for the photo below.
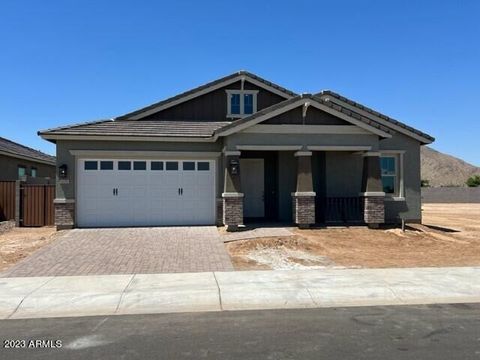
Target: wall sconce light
<point x="234" y="166"/>
<point x="62" y="171"/>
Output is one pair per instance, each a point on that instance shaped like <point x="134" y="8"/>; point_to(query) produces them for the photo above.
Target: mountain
<point x="445" y="170"/>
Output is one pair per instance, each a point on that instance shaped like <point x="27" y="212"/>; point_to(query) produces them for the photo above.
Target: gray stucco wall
<point x="343" y="169"/>
<point x="9" y="168"/>
<point x="410" y="208"/>
<point x="343" y="174"/>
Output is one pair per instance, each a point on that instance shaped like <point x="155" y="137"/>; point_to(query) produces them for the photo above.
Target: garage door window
<point x="203" y="166"/>
<point x="124" y="165"/>
<point x="156" y="165"/>
<point x="139" y="165"/>
<point x="189" y="165"/>
<point x="172" y="165"/>
<point x="91" y="165"/>
<point x="106" y="165"/>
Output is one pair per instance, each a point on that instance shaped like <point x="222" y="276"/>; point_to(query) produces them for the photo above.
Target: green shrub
<point x="473" y="181"/>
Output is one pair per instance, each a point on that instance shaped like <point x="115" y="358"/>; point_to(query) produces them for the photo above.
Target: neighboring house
<point x="18" y="161"/>
<point x="235" y="150"/>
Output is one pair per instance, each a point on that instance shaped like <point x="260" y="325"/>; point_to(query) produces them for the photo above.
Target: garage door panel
<point x="146" y="197"/>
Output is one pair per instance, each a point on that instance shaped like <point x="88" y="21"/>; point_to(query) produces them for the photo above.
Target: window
<point x="389" y="174"/>
<point x="156" y="165"/>
<point x="139" y="165"/>
<point x="188" y="165"/>
<point x="91" y="165"/>
<point x="124" y="165"/>
<point x="172" y="165"/>
<point x="22" y="170"/>
<point x="33" y="172"/>
<point x="241" y="102"/>
<point x="203" y="166"/>
<point x="235" y="104"/>
<point x="106" y="165"/>
<point x="248" y="104"/>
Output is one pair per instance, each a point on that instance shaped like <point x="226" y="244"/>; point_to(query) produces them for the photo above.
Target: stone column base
<point x="232" y="210"/>
<point x="64" y="214"/>
<point x="303" y="209"/>
<point x="374" y="211"/>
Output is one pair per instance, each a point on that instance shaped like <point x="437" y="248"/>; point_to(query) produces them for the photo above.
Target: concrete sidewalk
<point x="216" y="291"/>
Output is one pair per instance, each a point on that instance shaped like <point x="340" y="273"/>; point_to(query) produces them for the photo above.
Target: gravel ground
<point x="449" y="236"/>
<point x="18" y="243"/>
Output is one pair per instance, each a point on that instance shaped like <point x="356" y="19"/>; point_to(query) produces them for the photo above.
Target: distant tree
<point x="473" y="181"/>
<point x="424" y="183"/>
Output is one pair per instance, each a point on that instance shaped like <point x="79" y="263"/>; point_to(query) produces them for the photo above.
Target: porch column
<point x="232" y="194"/>
<point x="303" y="200"/>
<point x="372" y="190"/>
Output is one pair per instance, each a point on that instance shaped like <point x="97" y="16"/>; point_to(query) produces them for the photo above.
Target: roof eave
<point x="25" y="157"/>
<point x="293" y="103"/>
<point x="204" y="89"/>
<point x="385" y="120"/>
<point x="109" y="137"/>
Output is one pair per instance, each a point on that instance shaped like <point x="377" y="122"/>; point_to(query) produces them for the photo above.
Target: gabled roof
<point x="381" y="118"/>
<point x="138" y="128"/>
<point x="10" y="148"/>
<point x="132" y="125"/>
<point x="299" y="100"/>
<point x="206" y="88"/>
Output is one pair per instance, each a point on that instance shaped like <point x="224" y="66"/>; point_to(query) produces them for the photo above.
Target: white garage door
<point x="113" y="192"/>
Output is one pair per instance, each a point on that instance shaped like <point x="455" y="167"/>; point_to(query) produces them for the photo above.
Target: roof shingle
<point x="144" y="128"/>
<point x="16" y="149"/>
<point x="376" y="113"/>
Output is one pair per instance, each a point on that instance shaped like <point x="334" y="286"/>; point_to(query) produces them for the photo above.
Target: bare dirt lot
<point x="449" y="236"/>
<point x="18" y="243"/>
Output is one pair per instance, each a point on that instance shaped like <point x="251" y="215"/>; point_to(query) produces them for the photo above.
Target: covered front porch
<point x="306" y="185"/>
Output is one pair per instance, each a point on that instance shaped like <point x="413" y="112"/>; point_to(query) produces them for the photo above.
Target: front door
<point x="252" y="175"/>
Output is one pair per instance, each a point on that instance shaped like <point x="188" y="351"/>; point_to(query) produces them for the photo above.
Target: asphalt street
<point x="391" y="332"/>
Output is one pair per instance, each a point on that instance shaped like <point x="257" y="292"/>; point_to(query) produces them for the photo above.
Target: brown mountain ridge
<point x="445" y="170"/>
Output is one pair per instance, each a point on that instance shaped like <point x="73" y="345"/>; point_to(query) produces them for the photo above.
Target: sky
<point x="64" y="62"/>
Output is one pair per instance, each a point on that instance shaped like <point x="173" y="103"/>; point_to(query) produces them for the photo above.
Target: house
<point x="18" y="161"/>
<point x="235" y="150"/>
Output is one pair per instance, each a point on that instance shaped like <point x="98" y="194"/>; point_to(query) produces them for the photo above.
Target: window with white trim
<point x="389" y="169"/>
<point x="241" y="102"/>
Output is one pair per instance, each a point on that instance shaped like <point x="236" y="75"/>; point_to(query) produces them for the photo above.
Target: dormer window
<point x="241" y="103"/>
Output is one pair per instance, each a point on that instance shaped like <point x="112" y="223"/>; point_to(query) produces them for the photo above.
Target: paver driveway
<point x="128" y="251"/>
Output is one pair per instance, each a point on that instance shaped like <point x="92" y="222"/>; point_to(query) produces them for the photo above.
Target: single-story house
<point x="18" y="162"/>
<point x="235" y="150"/>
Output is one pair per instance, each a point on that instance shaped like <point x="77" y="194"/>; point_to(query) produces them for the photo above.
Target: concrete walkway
<point x="217" y="291"/>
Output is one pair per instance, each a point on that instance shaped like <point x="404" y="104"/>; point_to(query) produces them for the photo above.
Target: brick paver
<point x="128" y="251"/>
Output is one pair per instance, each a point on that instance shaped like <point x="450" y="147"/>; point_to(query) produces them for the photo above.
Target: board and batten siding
<point x="213" y="106"/>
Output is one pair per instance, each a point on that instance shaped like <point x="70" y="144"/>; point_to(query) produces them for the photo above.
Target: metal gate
<point x="37" y="205"/>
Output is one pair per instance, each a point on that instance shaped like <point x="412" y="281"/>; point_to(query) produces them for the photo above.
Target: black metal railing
<point x="340" y="210"/>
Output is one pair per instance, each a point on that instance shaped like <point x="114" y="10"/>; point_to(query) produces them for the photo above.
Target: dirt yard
<point x="18" y="243"/>
<point x="449" y="236"/>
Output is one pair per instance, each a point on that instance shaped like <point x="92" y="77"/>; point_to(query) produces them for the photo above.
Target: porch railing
<point x="339" y="210"/>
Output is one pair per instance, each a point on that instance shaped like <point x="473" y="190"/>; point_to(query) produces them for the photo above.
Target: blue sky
<point x="69" y="61"/>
